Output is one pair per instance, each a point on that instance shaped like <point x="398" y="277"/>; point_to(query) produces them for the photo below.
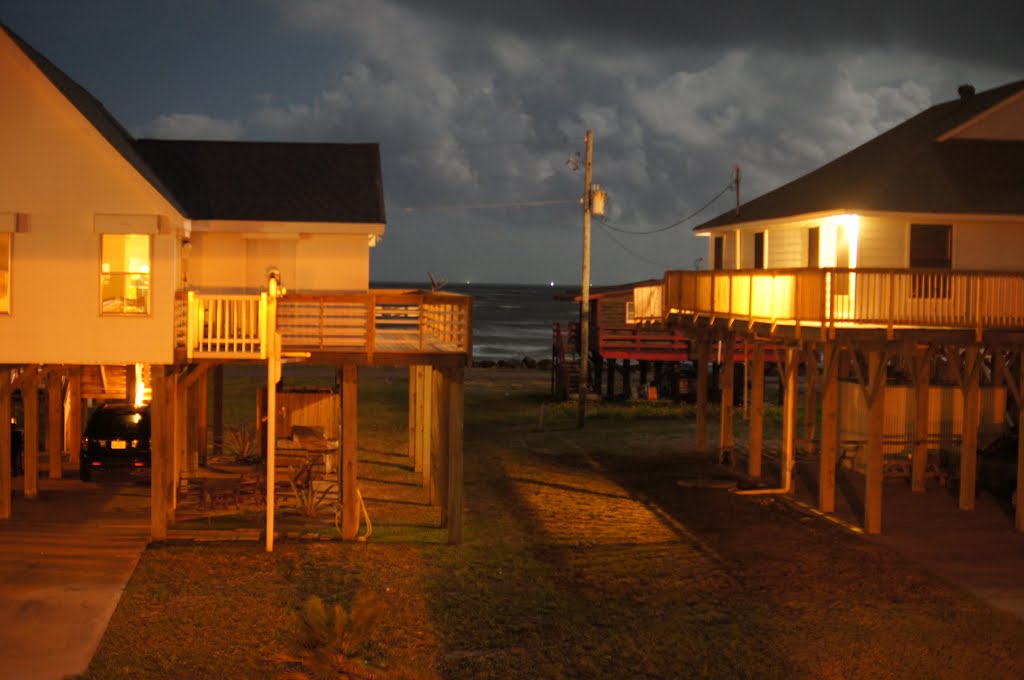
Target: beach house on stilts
<point x="136" y="266"/>
<point x="894" y="273"/>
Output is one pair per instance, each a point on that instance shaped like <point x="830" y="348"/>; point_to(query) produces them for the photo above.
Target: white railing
<point x="845" y="297"/>
<point x="211" y="325"/>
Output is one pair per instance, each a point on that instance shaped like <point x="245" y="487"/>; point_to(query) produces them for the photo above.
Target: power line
<point x="473" y="206"/>
<point x="635" y="254"/>
<point x="728" y="187"/>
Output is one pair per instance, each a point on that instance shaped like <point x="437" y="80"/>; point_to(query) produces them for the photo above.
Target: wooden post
<point x="789" y="419"/>
<point x="180" y="433"/>
<point x="413" y="406"/>
<point x="969" y="437"/>
<point x="73" y="435"/>
<point x="701" y="436"/>
<point x="627" y="379"/>
<point x="202" y="394"/>
<point x="810" y="396"/>
<point x="456" y="429"/>
<point x="131" y="379"/>
<point x="349" y="454"/>
<point x="610" y="392"/>
<point x="756" y="410"/>
<point x="5" y="445"/>
<point x="55" y="423"/>
<point x="273" y="354"/>
<point x="875" y="394"/>
<point x="1019" y="518"/>
<point x="30" y="406"/>
<point x="920" y="373"/>
<point x="829" y="428"/>
<point x="725" y="434"/>
<point x="439" y="443"/>
<point x="158" y="424"/>
<point x="426" y="416"/>
<point x="218" y="410"/>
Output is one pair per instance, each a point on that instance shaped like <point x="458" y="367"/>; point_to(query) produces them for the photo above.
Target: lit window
<point x="124" y="274"/>
<point x="5" y="273"/>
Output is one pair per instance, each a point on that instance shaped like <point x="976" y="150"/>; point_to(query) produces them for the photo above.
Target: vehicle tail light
<point x="139" y="463"/>
<point x="96" y="463"/>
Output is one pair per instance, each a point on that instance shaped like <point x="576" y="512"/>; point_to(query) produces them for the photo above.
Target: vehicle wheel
<point x="84" y="473"/>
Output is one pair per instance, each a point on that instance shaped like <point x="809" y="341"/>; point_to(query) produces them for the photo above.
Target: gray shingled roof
<point x="907" y="170"/>
<point x="272" y="181"/>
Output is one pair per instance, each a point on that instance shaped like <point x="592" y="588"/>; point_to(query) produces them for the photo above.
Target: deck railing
<point x="844" y="298"/>
<point x="226" y="326"/>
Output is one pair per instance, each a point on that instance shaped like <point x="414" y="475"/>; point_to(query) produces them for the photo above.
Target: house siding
<point x="988" y="246"/>
<point x="230" y="262"/>
<point x="786" y="247"/>
<point x="58" y="173"/>
<point x="883" y="243"/>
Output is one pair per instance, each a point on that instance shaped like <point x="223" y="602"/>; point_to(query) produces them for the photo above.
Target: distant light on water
<point x="552" y="284"/>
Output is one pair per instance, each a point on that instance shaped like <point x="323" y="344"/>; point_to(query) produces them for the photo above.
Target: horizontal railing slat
<point x="379" y="320"/>
<point x="890" y="298"/>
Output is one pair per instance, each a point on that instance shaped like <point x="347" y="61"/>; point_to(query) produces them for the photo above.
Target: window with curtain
<point x="124" y="274"/>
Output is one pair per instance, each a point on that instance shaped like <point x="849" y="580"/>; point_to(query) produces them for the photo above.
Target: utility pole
<point x="584" y="387"/>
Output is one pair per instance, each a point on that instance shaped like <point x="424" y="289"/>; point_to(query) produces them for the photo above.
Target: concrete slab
<point x="65" y="558"/>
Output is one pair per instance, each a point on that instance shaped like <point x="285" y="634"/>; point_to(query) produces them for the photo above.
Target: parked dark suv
<point x="116" y="436"/>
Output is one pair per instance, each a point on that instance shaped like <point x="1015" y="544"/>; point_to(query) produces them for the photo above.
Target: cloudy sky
<point x="481" y="107"/>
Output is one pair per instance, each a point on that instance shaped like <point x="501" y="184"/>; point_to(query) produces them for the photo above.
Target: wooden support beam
<point x="875" y="393"/>
<point x="610" y="393"/>
<point x="349" y="468"/>
<point x="218" y="410"/>
<point x="73" y="410"/>
<point x="30" y="407"/>
<point x="627" y="379"/>
<point x="426" y="414"/>
<point x="1019" y="517"/>
<point x="175" y="426"/>
<point x="756" y="410"/>
<point x="810" y="396"/>
<point x="725" y="433"/>
<point x="703" y="352"/>
<point x="202" y="411"/>
<point x="180" y="434"/>
<point x="790" y="375"/>
<point x="439" y="444"/>
<point x="5" y="445"/>
<point x="969" y="436"/>
<point x="55" y="422"/>
<point x="131" y="379"/>
<point x="829" y="428"/>
<point x="920" y="372"/>
<point x="456" y="433"/>
<point x="412" y="413"/>
<point x="159" y="420"/>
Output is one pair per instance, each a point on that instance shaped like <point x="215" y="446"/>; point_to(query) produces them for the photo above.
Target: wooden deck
<point x="397" y="325"/>
<point x="827" y="301"/>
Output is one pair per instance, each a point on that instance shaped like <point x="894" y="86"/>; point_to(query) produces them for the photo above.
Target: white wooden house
<point x="126" y="261"/>
<point x="899" y="257"/>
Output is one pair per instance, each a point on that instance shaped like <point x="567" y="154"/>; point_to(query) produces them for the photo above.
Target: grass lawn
<point x="583" y="557"/>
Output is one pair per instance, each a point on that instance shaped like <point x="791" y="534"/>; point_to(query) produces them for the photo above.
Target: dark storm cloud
<point x="984" y="31"/>
<point x="485" y="102"/>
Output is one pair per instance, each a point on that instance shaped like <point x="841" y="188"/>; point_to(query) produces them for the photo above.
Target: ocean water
<point x="512" y="322"/>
